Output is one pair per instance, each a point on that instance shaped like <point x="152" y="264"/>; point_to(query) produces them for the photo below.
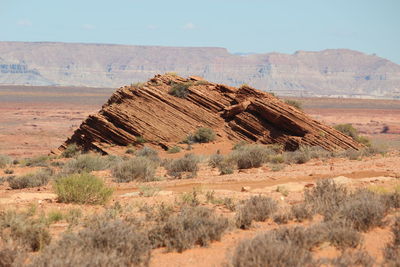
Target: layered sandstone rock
<point x="150" y="111"/>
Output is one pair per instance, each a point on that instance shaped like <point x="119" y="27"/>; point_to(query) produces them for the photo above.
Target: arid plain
<point x="37" y="120"/>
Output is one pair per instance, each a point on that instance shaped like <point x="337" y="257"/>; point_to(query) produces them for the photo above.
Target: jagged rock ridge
<point x="150" y="111"/>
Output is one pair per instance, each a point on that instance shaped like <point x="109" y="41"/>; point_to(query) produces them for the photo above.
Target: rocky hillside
<point x="152" y="111"/>
<point x="327" y="73"/>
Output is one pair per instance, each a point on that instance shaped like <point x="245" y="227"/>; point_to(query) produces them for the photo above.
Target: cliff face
<point x="329" y="72"/>
<point x="150" y="111"/>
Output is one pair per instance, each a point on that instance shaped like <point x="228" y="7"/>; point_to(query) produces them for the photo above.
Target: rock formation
<point x="150" y="110"/>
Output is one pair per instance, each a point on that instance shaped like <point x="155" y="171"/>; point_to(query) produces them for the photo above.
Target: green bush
<point x="82" y="188"/>
<point x="138" y="168"/>
<point x="140" y="140"/>
<point x="35" y="179"/>
<point x="349" y="130"/>
<point x="70" y="151"/>
<point x="149" y="153"/>
<point x="4" y="160"/>
<point x="180" y="90"/>
<point x="39" y="161"/>
<point x="186" y="164"/>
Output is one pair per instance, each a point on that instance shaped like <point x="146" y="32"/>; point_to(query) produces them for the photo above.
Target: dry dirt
<point x="29" y="128"/>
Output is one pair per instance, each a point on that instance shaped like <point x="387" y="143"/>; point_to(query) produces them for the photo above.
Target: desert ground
<point x="36" y="121"/>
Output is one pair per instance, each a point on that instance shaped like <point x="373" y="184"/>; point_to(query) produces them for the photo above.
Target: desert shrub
<point x="349" y="130"/>
<point x="357" y="258"/>
<point x="283" y="216"/>
<point x="131" y="151"/>
<point x="4" y="160"/>
<point x="174" y="149"/>
<point x="180" y="90"/>
<point x="140" y="139"/>
<point x="239" y="145"/>
<point x="268" y="250"/>
<point x="257" y="208"/>
<point x="392" y="250"/>
<point x="300" y="156"/>
<point x="226" y="167"/>
<point x="294" y="103"/>
<point x="38" y="178"/>
<point x="104" y="243"/>
<point x="190" y="198"/>
<point x="138" y="168"/>
<point x="317" y="152"/>
<point x="202" y="135"/>
<point x="342" y="236"/>
<point x="148" y="191"/>
<point x="54" y="216"/>
<point x="363" y="209"/>
<point x="326" y="197"/>
<point x="28" y="232"/>
<point x="70" y="151"/>
<point x="352" y="154"/>
<point x="192" y="226"/>
<point x="215" y="160"/>
<point x="82" y="188"/>
<point x="85" y="163"/>
<point x="39" y="161"/>
<point x="250" y="156"/>
<point x="8" y="171"/>
<point x="9" y="256"/>
<point x="302" y="211"/>
<point x="186" y="164"/>
<point x="149" y="153"/>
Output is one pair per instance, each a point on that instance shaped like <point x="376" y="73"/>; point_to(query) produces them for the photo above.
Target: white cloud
<point x="88" y="27"/>
<point x="24" y="23"/>
<point x="189" y="26"/>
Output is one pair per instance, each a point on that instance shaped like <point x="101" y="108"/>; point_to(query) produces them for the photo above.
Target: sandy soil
<point x="30" y="128"/>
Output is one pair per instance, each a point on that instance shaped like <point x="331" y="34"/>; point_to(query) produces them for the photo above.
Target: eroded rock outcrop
<point x="150" y="111"/>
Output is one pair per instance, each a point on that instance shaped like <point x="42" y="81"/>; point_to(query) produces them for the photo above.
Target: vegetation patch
<point x="71" y="151"/>
<point x="39" y="178"/>
<point x="180" y="90"/>
<point x="139" y="168"/>
<point x="82" y="188"/>
<point x="257" y="208"/>
<point x="188" y="164"/>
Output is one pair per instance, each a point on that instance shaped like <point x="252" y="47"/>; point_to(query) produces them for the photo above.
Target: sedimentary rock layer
<point x="150" y="111"/>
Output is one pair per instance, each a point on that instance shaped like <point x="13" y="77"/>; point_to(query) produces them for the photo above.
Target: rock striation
<point x="150" y="110"/>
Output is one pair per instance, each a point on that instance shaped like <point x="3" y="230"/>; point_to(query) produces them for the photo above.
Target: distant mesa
<point x="332" y="72"/>
<point x="157" y="113"/>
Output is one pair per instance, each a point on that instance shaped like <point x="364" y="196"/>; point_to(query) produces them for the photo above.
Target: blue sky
<point x="370" y="26"/>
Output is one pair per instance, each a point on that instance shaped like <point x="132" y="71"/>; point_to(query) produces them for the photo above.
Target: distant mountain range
<point x="333" y="72"/>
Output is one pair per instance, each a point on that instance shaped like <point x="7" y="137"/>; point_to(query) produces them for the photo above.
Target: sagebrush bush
<point x="180" y="90"/>
<point x="268" y="250"/>
<point x="326" y="197"/>
<point x="138" y="168"/>
<point x="104" y="242"/>
<point x="215" y="160"/>
<point x="86" y="163"/>
<point x="363" y="209"/>
<point x="300" y="156"/>
<point x="358" y="258"/>
<point x="342" y="236"/>
<point x="349" y="130"/>
<point x="30" y="233"/>
<point x="149" y="153"/>
<point x="257" y="208"/>
<point x="174" y="149"/>
<point x="82" y="188"/>
<point x="70" y="151"/>
<point x="204" y="135"/>
<point x="302" y="211"/>
<point x="392" y="249"/>
<point x="250" y="156"/>
<point x="4" y="160"/>
<point x="186" y="164"/>
<point x="283" y="216"/>
<point x="39" y="161"/>
<point x="38" y="178"/>
<point x="192" y="226"/>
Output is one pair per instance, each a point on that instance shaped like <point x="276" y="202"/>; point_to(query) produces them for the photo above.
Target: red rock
<point x="237" y="114"/>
